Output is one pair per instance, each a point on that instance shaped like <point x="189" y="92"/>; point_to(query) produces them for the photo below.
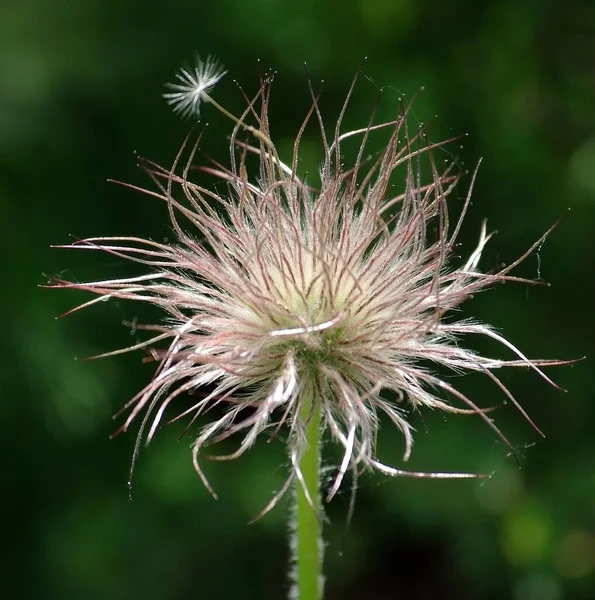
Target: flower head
<point x="278" y="293"/>
<point x="194" y="84"/>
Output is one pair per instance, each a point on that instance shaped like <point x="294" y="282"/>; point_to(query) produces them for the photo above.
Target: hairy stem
<point x="307" y="545"/>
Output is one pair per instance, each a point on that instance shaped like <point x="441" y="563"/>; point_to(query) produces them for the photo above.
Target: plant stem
<point x="253" y="130"/>
<point x="307" y="543"/>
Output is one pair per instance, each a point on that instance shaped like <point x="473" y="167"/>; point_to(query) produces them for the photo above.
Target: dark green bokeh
<point x="80" y="87"/>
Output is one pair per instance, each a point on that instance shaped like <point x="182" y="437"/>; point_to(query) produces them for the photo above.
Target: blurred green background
<point x="80" y="86"/>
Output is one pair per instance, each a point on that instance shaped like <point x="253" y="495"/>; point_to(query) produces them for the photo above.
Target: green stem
<point x="307" y="542"/>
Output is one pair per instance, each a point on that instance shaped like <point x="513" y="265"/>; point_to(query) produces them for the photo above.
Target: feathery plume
<point x="276" y="291"/>
<point x="194" y="84"/>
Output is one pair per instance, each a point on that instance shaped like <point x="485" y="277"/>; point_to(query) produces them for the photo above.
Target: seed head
<point x="194" y="83"/>
<point x="277" y="292"/>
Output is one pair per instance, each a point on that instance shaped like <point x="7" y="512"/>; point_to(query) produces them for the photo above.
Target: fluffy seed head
<point x="193" y="84"/>
<point x="277" y="292"/>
